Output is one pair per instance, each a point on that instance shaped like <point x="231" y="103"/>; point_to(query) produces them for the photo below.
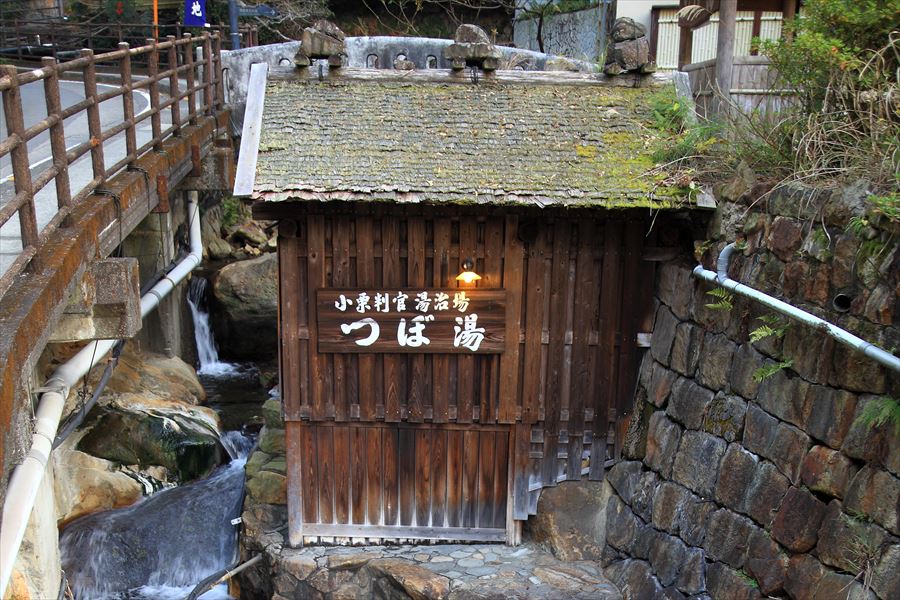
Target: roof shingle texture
<point x="460" y="143"/>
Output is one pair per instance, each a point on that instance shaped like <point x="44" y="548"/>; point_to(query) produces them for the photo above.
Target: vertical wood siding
<point x="427" y="438"/>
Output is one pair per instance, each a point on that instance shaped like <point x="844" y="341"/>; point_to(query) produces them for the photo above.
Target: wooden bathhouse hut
<point x="465" y="266"/>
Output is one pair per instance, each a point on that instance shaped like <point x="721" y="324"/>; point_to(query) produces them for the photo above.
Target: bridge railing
<point x="192" y="88"/>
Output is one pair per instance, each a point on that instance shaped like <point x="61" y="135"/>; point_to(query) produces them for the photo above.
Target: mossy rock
<point x="268" y="488"/>
<point x="271" y="441"/>
<point x="271" y="410"/>
<point x="174" y="442"/>
<point x="255" y="463"/>
<point x="276" y="465"/>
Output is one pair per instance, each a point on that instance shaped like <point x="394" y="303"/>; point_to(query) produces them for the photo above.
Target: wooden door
<point x="397" y="481"/>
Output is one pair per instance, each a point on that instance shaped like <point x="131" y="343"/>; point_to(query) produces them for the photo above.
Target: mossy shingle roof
<point x="575" y="145"/>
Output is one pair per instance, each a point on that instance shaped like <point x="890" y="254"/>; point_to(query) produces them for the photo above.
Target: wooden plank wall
<point x="414" y="481"/>
<point x="576" y="298"/>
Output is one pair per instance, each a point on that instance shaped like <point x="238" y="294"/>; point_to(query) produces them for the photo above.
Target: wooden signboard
<point x="435" y="321"/>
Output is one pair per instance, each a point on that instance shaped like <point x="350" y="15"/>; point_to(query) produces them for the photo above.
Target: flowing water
<point x="163" y="546"/>
<point x="207" y="352"/>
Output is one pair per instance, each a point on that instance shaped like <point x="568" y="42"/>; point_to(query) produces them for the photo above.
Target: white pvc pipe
<point x="841" y="335"/>
<point x="27" y="476"/>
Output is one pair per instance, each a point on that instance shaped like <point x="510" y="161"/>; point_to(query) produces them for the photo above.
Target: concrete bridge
<point x="84" y="172"/>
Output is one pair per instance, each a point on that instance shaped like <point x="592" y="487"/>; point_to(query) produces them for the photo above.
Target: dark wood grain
<point x="513" y="267"/>
<point x="415" y="275"/>
<point x="422" y="476"/>
<point x="394" y="366"/>
<point x="375" y="476"/>
<point x="369" y="393"/>
<point x="358" y="464"/>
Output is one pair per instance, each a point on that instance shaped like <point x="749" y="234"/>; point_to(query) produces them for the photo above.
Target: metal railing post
<point x="57" y="134"/>
<point x="153" y="73"/>
<point x="173" y="85"/>
<point x="15" y="126"/>
<point x="188" y="49"/>
<point x="93" y="115"/>
<point x="128" y="103"/>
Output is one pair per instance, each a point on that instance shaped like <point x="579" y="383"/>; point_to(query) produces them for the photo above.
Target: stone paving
<point x="454" y="572"/>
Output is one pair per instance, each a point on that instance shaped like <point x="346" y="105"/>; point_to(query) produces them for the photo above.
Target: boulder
<point x="147" y="431"/>
<point x="570" y="520"/>
<point x="416" y="582"/>
<point x="245" y="311"/>
<point x="471" y="34"/>
<point x="153" y="375"/>
<point x="632" y="54"/>
<point x="625" y="29"/>
<point x="85" y="484"/>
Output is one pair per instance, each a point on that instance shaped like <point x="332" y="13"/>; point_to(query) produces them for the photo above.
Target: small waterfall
<point x="161" y="547"/>
<point x="207" y="352"/>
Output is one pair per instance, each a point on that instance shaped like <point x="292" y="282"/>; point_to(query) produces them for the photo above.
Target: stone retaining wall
<point x="735" y="488"/>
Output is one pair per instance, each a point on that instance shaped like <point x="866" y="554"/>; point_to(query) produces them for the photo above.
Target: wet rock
<point x="766" y="563"/>
<point x="786" y="397"/>
<point x="797" y="521"/>
<point x="830" y="415"/>
<point x="644" y="492"/>
<point x="746" y="361"/>
<point x="246" y="308"/>
<point x="675" y="287"/>
<point x="736" y="474"/>
<point x="667" y="556"/>
<point x="668" y="506"/>
<point x="725" y="417"/>
<point x="568" y="520"/>
<point x="248" y="232"/>
<point x="765" y="493"/>
<point x="717" y="353"/>
<point x="635" y="579"/>
<point x="694" y="520"/>
<point x="635" y="444"/>
<point x="696" y="464"/>
<point x="85" y="484"/>
<point x="624" y="477"/>
<point x="256" y="462"/>
<point x="688" y="402"/>
<point x="153" y="375"/>
<point x="728" y="537"/>
<point x="416" y="582"/>
<point x="271" y="412"/>
<point x="663" y="335"/>
<point x="847" y="543"/>
<point x="784" y="237"/>
<point x="135" y="430"/>
<point x="724" y="582"/>
<point x="875" y="493"/>
<point x="686" y="349"/>
<point x="886" y="581"/>
<point x="692" y="579"/>
<point x="783" y="444"/>
<point x="268" y="487"/>
<point x="878" y="445"/>
<point x="663" y="438"/>
<point x="271" y="441"/>
<point x="827" y="471"/>
<point x="621" y="525"/>
<point x="661" y="381"/>
<point x="838" y="586"/>
<point x="803" y="576"/>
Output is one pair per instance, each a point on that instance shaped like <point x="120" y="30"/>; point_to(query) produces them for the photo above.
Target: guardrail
<point x="32" y="39"/>
<point x="202" y="92"/>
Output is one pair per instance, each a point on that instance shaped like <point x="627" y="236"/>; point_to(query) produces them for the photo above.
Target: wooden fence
<point x="754" y="86"/>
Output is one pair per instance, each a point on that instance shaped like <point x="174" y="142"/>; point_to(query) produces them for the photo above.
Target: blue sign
<point x="195" y="13"/>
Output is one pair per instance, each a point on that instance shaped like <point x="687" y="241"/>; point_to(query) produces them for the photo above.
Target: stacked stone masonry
<point x="731" y="487"/>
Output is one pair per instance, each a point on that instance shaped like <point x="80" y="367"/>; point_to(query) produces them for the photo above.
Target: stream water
<point x="161" y="547"/>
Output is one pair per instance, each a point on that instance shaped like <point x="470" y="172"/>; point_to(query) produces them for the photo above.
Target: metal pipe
<point x="841" y="335"/>
<point x="27" y="476"/>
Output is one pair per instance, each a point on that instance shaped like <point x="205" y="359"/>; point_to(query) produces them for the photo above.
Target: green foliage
<point x="831" y="37"/>
<point x="231" y="210"/>
<point x="679" y="140"/>
<point x="724" y="299"/>
<point x="768" y="370"/>
<point x="882" y="411"/>
<point x="772" y="326"/>
<point x="887" y="206"/>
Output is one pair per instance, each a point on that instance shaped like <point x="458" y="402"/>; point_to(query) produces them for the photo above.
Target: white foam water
<point x="207" y="352"/>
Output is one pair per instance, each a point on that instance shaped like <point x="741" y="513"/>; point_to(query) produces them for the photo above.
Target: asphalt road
<point x="76" y="132"/>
